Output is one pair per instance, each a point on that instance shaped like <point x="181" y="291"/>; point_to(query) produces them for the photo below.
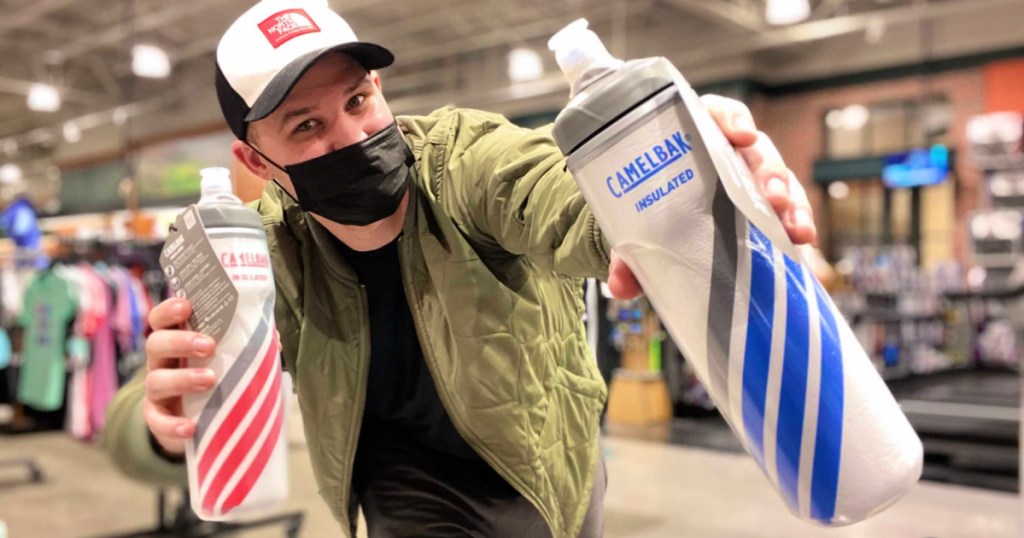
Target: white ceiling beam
<point x="724" y="13"/>
<point x="125" y="31"/>
<point x="21" y="87"/>
<point x="827" y="8"/>
<point x="543" y="28"/>
<point x="829" y="28"/>
<point x="32" y="12"/>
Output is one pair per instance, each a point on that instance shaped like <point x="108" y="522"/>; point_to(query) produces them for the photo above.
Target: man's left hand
<point x="778" y="183"/>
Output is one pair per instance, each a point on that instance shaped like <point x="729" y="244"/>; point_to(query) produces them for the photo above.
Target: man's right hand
<point x="168" y="379"/>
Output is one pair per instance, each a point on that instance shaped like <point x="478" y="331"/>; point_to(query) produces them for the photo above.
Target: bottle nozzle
<point x="577" y="50"/>
<point x="215" y="186"/>
<point x="215" y="180"/>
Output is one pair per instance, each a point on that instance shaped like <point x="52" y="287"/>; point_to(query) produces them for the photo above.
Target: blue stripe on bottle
<point x="793" y="394"/>
<point x="829" y="441"/>
<point x="759" y="339"/>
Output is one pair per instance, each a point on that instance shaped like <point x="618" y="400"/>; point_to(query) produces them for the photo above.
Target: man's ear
<point x="252" y="160"/>
<point x="375" y="77"/>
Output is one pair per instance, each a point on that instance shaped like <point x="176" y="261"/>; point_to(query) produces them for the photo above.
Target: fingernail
<point x="180" y="430"/>
<point x="776" y="187"/>
<point x="203" y="344"/>
<point x="178" y="309"/>
<point x="203" y="377"/>
<point x="803" y="218"/>
<point x="742" y="122"/>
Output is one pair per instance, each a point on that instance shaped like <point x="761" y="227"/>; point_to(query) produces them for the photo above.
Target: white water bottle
<point x="216" y="256"/>
<point x="680" y="207"/>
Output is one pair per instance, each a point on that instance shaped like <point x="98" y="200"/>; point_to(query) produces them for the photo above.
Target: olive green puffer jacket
<point x="495" y="242"/>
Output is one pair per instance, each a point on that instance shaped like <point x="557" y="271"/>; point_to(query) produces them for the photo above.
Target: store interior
<point x="902" y="119"/>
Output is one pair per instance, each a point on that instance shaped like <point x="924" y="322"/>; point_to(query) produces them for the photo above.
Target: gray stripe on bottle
<point x="723" y="290"/>
<point x="234" y="374"/>
<point x="237" y="234"/>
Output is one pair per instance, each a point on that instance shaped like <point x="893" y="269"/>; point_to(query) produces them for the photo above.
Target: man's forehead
<point x="330" y="72"/>
<point x="334" y="71"/>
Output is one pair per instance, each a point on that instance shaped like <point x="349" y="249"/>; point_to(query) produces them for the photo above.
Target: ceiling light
<point x="120" y="115"/>
<point x="834" y="119"/>
<point x="43" y="98"/>
<point x="855" y="117"/>
<point x="782" y="12"/>
<point x="72" y="133"/>
<point x="524" y="65"/>
<point x="10" y="173"/>
<point x="875" y="31"/>
<point x="150" y="61"/>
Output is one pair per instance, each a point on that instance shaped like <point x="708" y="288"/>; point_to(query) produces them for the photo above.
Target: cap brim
<point x="369" y="55"/>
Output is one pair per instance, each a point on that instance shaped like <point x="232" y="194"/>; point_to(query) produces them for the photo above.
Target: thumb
<point x="621" y="281"/>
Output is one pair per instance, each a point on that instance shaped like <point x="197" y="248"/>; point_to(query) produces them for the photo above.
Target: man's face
<point x="334" y="105"/>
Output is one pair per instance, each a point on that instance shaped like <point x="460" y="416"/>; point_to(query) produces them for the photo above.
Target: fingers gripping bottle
<point x="216" y="256"/>
<point x="681" y="208"/>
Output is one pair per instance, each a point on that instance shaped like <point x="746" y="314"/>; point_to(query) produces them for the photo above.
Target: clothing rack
<point x="35" y="473"/>
<point x="181" y="521"/>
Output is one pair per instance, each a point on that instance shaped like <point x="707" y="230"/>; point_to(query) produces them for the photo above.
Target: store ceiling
<point x="448" y="52"/>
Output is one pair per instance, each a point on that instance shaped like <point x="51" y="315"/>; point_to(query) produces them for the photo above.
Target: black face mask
<point x="358" y="184"/>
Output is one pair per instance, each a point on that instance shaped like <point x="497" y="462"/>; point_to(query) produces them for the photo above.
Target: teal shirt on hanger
<point x="49" y="308"/>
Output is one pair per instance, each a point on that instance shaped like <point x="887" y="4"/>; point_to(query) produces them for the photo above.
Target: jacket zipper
<point x="443" y="395"/>
<point x="353" y="439"/>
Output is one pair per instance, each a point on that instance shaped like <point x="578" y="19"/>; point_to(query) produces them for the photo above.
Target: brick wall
<point x="795" y="123"/>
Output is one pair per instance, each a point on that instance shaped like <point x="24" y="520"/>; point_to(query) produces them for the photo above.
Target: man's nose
<point x="347" y="132"/>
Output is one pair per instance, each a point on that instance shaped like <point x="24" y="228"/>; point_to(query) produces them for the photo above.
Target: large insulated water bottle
<point x="681" y="208"/>
<point x="216" y="256"/>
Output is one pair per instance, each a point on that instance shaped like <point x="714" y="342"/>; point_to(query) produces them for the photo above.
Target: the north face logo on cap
<point x="280" y="27"/>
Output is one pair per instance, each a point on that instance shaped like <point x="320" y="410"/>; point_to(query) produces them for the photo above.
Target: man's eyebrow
<point x="355" y="85"/>
<point x="293" y="113"/>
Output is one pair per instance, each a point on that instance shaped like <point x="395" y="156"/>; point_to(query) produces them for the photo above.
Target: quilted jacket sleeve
<point x="514" y="187"/>
<point x="126" y="439"/>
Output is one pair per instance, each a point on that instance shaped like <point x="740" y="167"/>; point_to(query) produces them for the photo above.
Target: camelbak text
<point x="645" y="166"/>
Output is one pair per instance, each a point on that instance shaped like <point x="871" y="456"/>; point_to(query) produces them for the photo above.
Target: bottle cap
<point x="578" y="49"/>
<point x="215" y="180"/>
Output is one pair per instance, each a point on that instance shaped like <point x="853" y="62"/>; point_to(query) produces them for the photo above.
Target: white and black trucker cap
<point x="268" y="49"/>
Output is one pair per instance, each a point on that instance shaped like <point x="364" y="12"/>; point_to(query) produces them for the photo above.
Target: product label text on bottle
<point x="645" y="166"/>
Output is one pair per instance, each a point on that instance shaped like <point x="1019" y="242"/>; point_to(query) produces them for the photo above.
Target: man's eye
<point x="307" y="125"/>
<point x="356" y="100"/>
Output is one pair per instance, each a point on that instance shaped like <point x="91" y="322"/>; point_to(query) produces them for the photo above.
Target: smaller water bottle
<point x="681" y="208"/>
<point x="216" y="256"/>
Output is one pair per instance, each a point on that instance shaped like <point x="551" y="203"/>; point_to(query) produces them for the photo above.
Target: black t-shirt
<point x="414" y="474"/>
<point x="400" y="392"/>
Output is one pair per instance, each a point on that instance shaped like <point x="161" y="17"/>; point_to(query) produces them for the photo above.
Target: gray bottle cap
<point x="608" y="98"/>
<point x="229" y="216"/>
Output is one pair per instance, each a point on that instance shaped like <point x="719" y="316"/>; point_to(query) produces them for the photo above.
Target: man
<point x="428" y="279"/>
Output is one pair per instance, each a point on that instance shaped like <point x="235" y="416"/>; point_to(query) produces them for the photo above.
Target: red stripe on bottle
<point x="244" y="444"/>
<point x="255" y="470"/>
<point x="237" y="412"/>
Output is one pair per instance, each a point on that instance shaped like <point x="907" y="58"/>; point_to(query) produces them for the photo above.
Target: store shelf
<point x="999" y="162"/>
<point x="997" y="294"/>
<point x="891" y="316"/>
<point x="969" y="424"/>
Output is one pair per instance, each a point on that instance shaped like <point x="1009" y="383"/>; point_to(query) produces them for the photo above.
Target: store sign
<point x="916" y="168"/>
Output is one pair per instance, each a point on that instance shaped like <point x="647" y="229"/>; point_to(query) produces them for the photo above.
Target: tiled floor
<point x="655" y="490"/>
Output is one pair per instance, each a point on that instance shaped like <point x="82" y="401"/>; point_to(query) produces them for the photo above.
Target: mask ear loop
<point x="275" y="165"/>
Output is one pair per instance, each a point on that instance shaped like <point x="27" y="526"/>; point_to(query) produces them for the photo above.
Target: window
<point x="862" y="211"/>
<point x="890" y="127"/>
